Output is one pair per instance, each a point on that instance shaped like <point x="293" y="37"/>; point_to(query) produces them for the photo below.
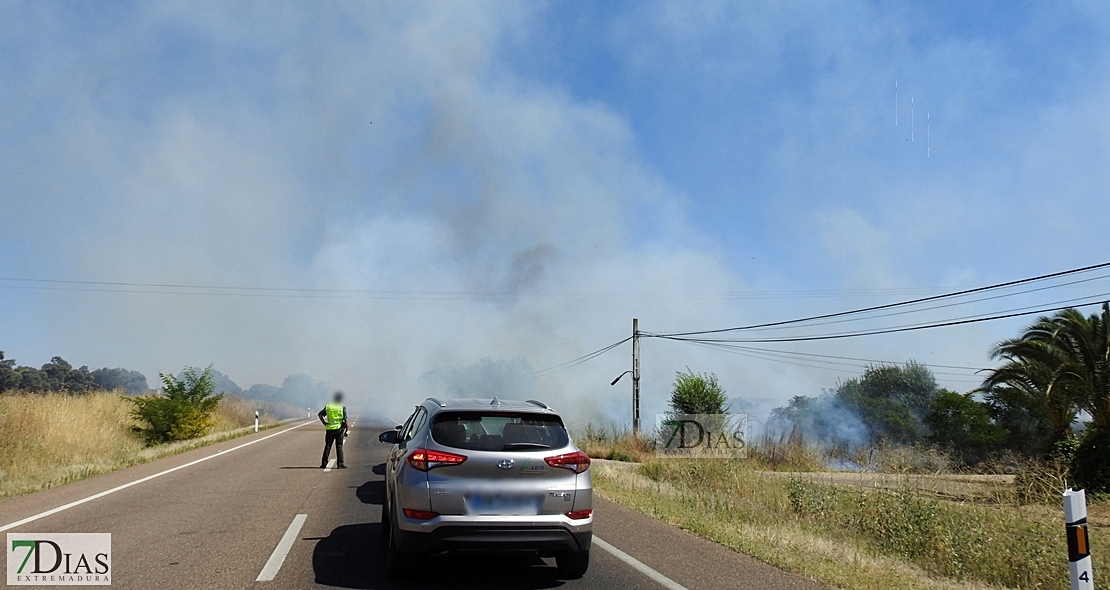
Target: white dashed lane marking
<point x="639" y="566"/>
<point x="273" y="565"/>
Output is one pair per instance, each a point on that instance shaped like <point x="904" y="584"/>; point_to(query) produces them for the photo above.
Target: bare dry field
<point x="861" y="530"/>
<point x="954" y="486"/>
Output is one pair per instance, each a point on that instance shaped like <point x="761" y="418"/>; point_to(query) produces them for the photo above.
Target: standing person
<point x="334" y="418"/>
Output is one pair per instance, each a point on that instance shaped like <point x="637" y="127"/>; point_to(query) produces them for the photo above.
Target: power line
<point x="400" y="294"/>
<point x="891" y="305"/>
<point x="914" y="327"/>
<point x="578" y="361"/>
<point x="955" y="304"/>
<point x="728" y="345"/>
<point x="952" y="377"/>
<point x="1071" y="301"/>
<point x="834" y="358"/>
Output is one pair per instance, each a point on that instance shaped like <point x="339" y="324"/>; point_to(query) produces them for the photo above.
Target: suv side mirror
<point x="388" y="437"/>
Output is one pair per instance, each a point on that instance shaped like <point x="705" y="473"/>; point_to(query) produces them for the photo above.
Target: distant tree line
<point x="300" y="390"/>
<point x="58" y="375"/>
<point x="1056" y="369"/>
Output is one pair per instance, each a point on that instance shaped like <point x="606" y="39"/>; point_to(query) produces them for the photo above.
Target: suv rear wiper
<point x="526" y="444"/>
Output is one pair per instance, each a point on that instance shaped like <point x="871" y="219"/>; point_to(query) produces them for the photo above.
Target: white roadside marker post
<point x="256" y="420"/>
<point x="1079" y="549"/>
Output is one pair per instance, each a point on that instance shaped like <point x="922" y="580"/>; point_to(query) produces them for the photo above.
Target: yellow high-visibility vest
<point x="335" y="416"/>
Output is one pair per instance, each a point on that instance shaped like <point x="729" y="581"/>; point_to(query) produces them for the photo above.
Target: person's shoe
<point x="323" y="467"/>
<point x="340" y="466"/>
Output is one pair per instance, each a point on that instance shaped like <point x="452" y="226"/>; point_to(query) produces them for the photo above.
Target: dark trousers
<point x="331" y="436"/>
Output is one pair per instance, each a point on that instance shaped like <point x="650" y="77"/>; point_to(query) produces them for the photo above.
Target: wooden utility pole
<point x="635" y="376"/>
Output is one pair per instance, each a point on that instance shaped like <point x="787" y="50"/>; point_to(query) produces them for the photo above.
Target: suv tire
<point x="573" y="565"/>
<point x="398" y="564"/>
<point x="383" y="530"/>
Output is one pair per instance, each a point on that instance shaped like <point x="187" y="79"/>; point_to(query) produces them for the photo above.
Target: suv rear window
<point x="499" y="431"/>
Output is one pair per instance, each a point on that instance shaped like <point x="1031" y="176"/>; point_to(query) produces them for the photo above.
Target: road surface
<point x="258" y="507"/>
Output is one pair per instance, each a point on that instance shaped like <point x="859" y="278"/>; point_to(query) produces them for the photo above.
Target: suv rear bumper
<point x="483" y="539"/>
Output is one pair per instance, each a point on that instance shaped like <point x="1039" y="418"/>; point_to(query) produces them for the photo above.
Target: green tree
<point x="1032" y="378"/>
<point x="694" y="393"/>
<point x="1085" y="341"/>
<point x="891" y="401"/>
<point x="1064" y="361"/>
<point x="59" y="375"/>
<point x="182" y="411"/>
<point x="964" y="425"/>
<point x="30" y="379"/>
<point x="8" y="378"/>
<point x="1023" y="415"/>
<point x="56" y="373"/>
<point x="112" y="379"/>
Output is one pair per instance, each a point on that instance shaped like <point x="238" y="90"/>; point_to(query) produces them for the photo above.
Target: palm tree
<point x="1063" y="363"/>
<point x="1085" y="342"/>
<point x="1031" y="377"/>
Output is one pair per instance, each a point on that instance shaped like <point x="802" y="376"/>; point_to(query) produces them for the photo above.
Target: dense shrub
<point x="1091" y="466"/>
<point x="694" y="393"/>
<point x="963" y="425"/>
<point x="182" y="411"/>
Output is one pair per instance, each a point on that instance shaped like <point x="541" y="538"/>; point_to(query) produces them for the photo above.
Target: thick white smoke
<point x="470" y="221"/>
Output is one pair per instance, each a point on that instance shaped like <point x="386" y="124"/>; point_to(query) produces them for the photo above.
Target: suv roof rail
<point x="437" y="402"/>
<point x="538" y="403"/>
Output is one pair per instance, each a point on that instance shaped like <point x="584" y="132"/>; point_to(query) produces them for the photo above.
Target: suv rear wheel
<point x="398" y="564"/>
<point x="573" y="565"/>
<point x="386" y="524"/>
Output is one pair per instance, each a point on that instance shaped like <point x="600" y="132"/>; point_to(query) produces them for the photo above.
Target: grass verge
<point x="48" y="440"/>
<point x="852" y="537"/>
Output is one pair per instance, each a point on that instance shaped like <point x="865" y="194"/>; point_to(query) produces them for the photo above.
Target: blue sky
<point x="588" y="161"/>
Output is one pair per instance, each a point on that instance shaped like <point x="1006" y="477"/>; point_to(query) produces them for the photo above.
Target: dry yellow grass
<point x="615" y="443"/>
<point x="236" y="412"/>
<point x="851" y="536"/>
<point x="50" y="439"/>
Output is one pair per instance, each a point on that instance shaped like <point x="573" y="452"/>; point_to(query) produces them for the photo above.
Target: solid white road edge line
<point x="270" y="570"/>
<point x="639" y="566"/>
<point x="139" y="481"/>
<point x="331" y="464"/>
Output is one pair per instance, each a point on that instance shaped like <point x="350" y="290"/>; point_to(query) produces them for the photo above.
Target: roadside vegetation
<point x="181" y="411"/>
<point x="49" y="439"/>
<point x="898" y="532"/>
<point x="898" y="418"/>
<point x="888" y="480"/>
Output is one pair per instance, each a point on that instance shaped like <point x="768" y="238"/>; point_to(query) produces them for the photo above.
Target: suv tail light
<point x="422" y="514"/>
<point x="579" y="514"/>
<point x="576" y="462"/>
<point x="423" y="459"/>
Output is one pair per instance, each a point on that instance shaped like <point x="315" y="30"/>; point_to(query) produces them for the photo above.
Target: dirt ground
<point x="963" y="487"/>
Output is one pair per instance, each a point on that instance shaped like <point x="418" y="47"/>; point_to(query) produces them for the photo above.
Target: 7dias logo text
<point x="64" y="559"/>
<point x="701" y="436"/>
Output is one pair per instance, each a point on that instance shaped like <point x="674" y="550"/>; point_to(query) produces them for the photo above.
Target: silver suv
<point x="486" y="476"/>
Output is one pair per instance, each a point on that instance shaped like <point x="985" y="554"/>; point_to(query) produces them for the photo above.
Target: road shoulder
<point x="692" y="561"/>
<point x="20" y="507"/>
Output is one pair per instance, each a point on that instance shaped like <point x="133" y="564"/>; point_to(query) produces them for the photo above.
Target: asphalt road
<point x="216" y="520"/>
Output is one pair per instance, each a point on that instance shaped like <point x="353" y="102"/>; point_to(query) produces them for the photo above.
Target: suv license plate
<point x="504" y="505"/>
